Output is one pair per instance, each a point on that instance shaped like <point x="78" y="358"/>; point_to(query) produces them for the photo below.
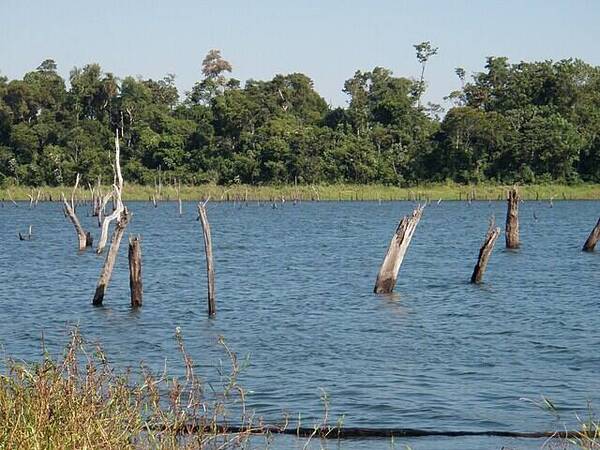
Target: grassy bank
<point x="334" y="192"/>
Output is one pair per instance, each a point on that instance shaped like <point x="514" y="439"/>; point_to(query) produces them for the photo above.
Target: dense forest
<point x="526" y="122"/>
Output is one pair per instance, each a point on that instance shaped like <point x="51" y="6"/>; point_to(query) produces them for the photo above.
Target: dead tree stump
<point x="111" y="256"/>
<point x="592" y="239"/>
<point x="210" y="270"/>
<point x="388" y="273"/>
<point x="26" y="237"/>
<point x="512" y="219"/>
<point x="178" y="189"/>
<point x="484" y="253"/>
<point x="85" y="238"/>
<point x="135" y="271"/>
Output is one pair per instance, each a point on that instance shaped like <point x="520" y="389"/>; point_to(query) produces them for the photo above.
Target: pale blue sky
<point x="327" y="40"/>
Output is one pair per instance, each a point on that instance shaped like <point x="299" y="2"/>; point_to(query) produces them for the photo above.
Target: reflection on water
<point x="294" y="291"/>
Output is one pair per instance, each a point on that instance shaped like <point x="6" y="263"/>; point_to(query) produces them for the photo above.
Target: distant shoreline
<point x="335" y="192"/>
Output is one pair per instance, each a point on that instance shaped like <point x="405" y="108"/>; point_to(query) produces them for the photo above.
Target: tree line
<point x="526" y="122"/>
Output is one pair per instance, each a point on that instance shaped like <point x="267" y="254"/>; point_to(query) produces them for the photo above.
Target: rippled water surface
<point x="294" y="292"/>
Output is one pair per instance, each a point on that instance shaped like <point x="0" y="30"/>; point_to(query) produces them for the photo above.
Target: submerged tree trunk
<point x="178" y="189"/>
<point x="388" y="273"/>
<point x="210" y="270"/>
<point x="592" y="239"/>
<point x="135" y="271"/>
<point x="122" y="216"/>
<point x="111" y="256"/>
<point x="85" y="238"/>
<point x="484" y="253"/>
<point x="512" y="219"/>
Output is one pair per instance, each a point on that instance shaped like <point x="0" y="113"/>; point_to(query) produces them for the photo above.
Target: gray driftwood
<point x="135" y="271"/>
<point x="210" y="270"/>
<point x="512" y="219"/>
<point x="388" y="273"/>
<point x="484" y="253"/>
<point x="592" y="239"/>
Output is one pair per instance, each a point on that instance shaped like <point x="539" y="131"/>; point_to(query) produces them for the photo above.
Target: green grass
<point x="334" y="192"/>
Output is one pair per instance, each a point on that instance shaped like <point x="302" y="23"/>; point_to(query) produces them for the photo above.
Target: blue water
<point x="294" y="292"/>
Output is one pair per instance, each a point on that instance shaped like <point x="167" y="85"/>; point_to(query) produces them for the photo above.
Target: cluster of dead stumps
<point x="388" y="273"/>
<point x="122" y="216"/>
<point x="386" y="278"/>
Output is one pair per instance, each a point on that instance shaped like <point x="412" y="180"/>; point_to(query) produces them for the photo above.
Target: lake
<point x="294" y="293"/>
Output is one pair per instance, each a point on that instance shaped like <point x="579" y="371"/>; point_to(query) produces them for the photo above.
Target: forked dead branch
<point x="122" y="216"/>
<point x="116" y="196"/>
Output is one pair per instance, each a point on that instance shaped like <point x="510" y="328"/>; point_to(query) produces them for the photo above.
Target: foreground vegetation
<point x="335" y="192"/>
<point x="80" y="402"/>
<point x="529" y="122"/>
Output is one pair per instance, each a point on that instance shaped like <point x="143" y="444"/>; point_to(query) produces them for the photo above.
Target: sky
<point x="326" y="40"/>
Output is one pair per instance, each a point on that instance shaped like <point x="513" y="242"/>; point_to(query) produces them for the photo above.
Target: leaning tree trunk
<point x="512" y="219"/>
<point x="388" y="273"/>
<point x="85" y="238"/>
<point x="135" y="271"/>
<point x="484" y="253"/>
<point x="592" y="239"/>
<point x="122" y="216"/>
<point x="210" y="270"/>
<point x="111" y="256"/>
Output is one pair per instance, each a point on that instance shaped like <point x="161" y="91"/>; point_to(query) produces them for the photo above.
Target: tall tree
<point x="424" y="51"/>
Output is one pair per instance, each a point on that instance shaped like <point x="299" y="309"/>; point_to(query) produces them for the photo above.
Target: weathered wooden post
<point x="135" y="271"/>
<point x="592" y="239"/>
<point x="111" y="257"/>
<point x="388" y="273"/>
<point x="210" y="270"/>
<point x="178" y="189"/>
<point x="484" y="253"/>
<point x="512" y="219"/>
